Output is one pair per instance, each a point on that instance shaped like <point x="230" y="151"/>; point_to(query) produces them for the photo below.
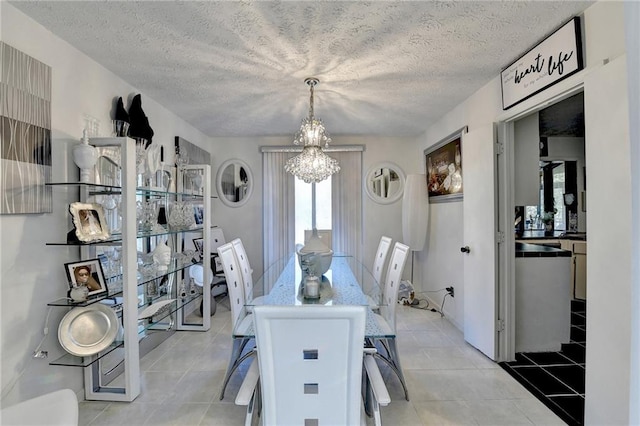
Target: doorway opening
<point x="553" y="217"/>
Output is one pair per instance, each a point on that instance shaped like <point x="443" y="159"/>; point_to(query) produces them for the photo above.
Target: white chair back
<point x="233" y="276"/>
<point x="245" y="268"/>
<point x="381" y="258"/>
<point x="217" y="239"/>
<point x="392" y="283"/>
<point x="310" y="362"/>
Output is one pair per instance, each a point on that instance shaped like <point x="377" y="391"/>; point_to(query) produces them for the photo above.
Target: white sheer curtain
<point x="278" y="207"/>
<point x="347" y="202"/>
<point x="279" y="202"/>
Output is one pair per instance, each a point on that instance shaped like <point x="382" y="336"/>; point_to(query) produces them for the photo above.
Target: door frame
<point x="506" y="196"/>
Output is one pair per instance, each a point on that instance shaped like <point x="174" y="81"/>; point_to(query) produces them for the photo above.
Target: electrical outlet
<point x="450" y="291"/>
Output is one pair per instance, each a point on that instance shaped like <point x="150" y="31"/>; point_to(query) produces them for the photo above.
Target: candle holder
<point x="311" y="287"/>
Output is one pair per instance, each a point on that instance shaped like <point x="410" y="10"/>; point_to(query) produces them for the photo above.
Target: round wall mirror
<point x="384" y="182"/>
<point x="234" y="183"/>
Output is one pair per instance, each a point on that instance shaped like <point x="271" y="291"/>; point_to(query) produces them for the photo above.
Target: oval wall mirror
<point x="234" y="183"/>
<point x="384" y="182"/>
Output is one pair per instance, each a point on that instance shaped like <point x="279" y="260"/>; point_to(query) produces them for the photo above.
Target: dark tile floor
<point x="557" y="378"/>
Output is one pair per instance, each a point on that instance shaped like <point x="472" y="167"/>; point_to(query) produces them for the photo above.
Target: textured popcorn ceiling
<point x="237" y="68"/>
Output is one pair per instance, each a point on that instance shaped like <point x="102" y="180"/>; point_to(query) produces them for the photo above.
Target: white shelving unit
<point x="114" y="373"/>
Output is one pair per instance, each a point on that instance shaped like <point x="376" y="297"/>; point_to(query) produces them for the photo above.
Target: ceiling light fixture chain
<point x="311" y="82"/>
<point x="312" y="165"/>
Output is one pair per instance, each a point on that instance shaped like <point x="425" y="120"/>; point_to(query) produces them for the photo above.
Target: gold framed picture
<point x="443" y="164"/>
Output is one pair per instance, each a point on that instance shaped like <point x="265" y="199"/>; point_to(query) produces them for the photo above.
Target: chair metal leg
<point x="366" y="393"/>
<point x="374" y="407"/>
<point x="258" y="404"/>
<point x="385" y="345"/>
<point x="393" y="361"/>
<point x="253" y="408"/>
<point x="235" y="361"/>
<point x="371" y="406"/>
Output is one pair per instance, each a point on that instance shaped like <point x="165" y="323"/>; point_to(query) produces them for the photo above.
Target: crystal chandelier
<point x="312" y="165"/>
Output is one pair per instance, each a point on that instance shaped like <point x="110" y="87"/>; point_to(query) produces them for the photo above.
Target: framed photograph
<point x="198" y="213"/>
<point x="443" y="165"/>
<point x="216" y="264"/>
<point x="198" y="243"/>
<point x="87" y="272"/>
<point x="89" y="222"/>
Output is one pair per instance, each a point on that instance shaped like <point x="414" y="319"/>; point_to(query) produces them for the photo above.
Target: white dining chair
<point x="56" y="408"/>
<point x="311" y="378"/>
<point x="247" y="275"/>
<point x="378" y="268"/>
<point x="240" y="321"/>
<point x="387" y="316"/>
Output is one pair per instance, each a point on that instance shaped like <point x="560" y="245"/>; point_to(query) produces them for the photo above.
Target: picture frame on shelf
<point x="87" y="272"/>
<point x="198" y="243"/>
<point x="89" y="222"/>
<point x="216" y="264"/>
<point x="198" y="214"/>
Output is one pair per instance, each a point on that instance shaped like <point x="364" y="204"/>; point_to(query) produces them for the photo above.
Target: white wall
<point x="526" y="155"/>
<point x="32" y="273"/>
<point x="604" y="41"/>
<point x="609" y="249"/>
<point x="632" y="33"/>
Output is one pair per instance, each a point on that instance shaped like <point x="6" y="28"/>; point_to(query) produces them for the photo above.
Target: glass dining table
<point x="347" y="282"/>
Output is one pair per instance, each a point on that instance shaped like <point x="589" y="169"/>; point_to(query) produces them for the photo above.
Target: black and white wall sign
<point x="553" y="59"/>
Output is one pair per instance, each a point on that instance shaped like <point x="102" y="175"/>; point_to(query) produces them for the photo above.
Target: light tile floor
<point x="449" y="382"/>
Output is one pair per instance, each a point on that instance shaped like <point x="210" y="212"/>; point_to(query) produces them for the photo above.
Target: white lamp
<point x="415" y="213"/>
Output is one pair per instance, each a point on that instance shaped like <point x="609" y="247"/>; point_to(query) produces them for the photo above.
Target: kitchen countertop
<point x="556" y="235"/>
<point x="537" y="250"/>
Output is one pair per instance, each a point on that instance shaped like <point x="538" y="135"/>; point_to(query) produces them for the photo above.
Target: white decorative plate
<point x="87" y="330"/>
<point x="153" y="309"/>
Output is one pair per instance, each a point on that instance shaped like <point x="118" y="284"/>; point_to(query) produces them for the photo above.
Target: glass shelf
<point x="175" y="306"/>
<point x="173" y="267"/>
<point x="66" y="302"/>
<point x="69" y="360"/>
<point x="100" y="189"/>
<point x="115" y="239"/>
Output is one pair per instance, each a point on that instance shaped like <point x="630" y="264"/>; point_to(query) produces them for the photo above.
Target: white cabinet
<point x="543" y="305"/>
<point x="578" y="251"/>
<point x="136" y="289"/>
<point x="579" y="269"/>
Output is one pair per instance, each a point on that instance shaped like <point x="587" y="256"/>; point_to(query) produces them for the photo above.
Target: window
<point x="558" y="196"/>
<point x="303" y="203"/>
<point x="556" y="177"/>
